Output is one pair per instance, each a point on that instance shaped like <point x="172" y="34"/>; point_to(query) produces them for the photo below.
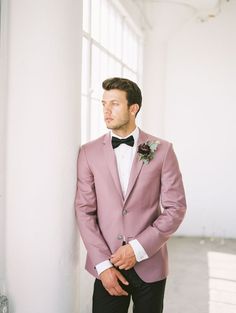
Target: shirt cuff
<point x="139" y="251"/>
<point x="101" y="267"/>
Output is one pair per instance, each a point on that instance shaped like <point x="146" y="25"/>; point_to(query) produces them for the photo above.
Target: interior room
<point x="54" y="56"/>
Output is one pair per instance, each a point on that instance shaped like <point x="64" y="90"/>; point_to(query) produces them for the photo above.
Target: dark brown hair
<point x="133" y="92"/>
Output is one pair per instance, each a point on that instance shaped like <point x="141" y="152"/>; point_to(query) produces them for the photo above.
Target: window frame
<point x="126" y="21"/>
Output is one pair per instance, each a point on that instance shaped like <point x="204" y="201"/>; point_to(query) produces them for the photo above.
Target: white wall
<point x="42" y="136"/>
<point x="3" y="99"/>
<point x="164" y="21"/>
<point x="199" y="118"/>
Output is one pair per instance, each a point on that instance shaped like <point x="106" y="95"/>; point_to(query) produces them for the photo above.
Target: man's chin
<point x="110" y="126"/>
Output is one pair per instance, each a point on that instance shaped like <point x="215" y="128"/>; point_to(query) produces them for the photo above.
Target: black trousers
<point x="147" y="297"/>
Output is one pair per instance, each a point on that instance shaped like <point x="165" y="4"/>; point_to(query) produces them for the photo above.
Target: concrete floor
<point x="202" y="276"/>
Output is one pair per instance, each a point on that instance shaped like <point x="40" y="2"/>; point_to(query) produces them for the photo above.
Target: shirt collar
<point x="135" y="134"/>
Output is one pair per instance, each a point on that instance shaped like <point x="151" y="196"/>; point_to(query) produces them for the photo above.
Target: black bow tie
<point x="116" y="141"/>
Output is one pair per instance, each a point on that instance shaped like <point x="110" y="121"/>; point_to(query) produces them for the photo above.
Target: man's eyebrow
<point x="112" y="100"/>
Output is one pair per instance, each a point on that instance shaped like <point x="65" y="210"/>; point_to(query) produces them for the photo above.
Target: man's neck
<point x="123" y="132"/>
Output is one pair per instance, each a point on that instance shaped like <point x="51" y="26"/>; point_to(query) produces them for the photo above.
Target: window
<point x="111" y="47"/>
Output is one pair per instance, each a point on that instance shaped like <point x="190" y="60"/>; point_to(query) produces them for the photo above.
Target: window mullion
<point x="122" y="44"/>
<point x="88" y="128"/>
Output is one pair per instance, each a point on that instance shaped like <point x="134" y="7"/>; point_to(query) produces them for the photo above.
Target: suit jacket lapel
<point x="111" y="162"/>
<point x="136" y="166"/>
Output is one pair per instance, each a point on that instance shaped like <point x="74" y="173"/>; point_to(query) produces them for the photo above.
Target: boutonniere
<point x="147" y="150"/>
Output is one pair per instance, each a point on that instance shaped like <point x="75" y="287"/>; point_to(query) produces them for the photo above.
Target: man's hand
<point x="110" y="282"/>
<point x="124" y="257"/>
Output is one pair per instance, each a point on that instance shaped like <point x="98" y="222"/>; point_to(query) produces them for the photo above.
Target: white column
<point x="3" y="100"/>
<point x="42" y="145"/>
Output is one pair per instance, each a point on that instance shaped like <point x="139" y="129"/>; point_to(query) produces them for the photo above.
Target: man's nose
<point x="106" y="109"/>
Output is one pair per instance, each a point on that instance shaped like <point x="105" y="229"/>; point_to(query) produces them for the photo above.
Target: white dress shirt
<point x="124" y="158"/>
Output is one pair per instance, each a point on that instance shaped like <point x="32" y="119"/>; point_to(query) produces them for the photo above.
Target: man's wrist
<point x="139" y="252"/>
<point x="101" y="267"/>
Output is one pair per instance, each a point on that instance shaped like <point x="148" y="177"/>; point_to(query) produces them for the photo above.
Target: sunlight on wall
<point x="222" y="282"/>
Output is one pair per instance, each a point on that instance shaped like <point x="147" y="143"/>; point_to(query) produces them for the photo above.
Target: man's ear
<point x="134" y="108"/>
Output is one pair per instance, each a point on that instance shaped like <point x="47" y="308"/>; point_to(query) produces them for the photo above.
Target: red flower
<point x="144" y="149"/>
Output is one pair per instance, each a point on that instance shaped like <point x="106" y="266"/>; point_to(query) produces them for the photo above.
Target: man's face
<point x="117" y="114"/>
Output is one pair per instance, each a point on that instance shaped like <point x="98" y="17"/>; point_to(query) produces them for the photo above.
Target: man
<point x="129" y="201"/>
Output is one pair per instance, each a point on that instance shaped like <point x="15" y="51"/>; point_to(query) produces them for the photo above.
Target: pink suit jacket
<point x="151" y="211"/>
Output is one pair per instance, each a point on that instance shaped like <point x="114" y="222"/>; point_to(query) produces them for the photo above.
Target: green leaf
<point x="153" y="146"/>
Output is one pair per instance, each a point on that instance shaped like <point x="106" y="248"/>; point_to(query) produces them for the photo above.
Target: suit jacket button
<point x="119" y="237"/>
<point x="124" y="212"/>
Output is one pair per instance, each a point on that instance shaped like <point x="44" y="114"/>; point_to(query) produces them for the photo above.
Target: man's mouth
<point x="108" y="119"/>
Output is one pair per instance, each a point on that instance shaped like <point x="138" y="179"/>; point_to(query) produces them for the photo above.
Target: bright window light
<point x="111" y="47"/>
<point x="222" y="282"/>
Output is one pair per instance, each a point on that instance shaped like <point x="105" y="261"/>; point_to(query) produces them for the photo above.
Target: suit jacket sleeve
<point x="173" y="203"/>
<point x="86" y="212"/>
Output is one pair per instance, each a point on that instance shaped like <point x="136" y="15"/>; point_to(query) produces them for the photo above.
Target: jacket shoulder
<point x="94" y="144"/>
<point x="155" y="138"/>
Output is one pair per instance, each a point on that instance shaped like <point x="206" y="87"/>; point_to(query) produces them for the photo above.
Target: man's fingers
<point x="117" y="291"/>
<point x="110" y="291"/>
<point x="113" y="292"/>
<point x="124" y="257"/>
<point x="115" y="259"/>
<point x="122" y="278"/>
<point x="117" y="264"/>
<point x="118" y="261"/>
<point x="124" y="264"/>
<point x="110" y="279"/>
<point x="120" y="291"/>
<point x="124" y="267"/>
